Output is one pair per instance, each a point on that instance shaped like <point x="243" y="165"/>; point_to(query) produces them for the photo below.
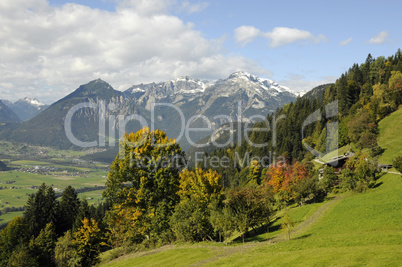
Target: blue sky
<point x="49" y="48"/>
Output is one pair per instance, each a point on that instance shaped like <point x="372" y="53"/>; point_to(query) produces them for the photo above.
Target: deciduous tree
<point x="143" y="184"/>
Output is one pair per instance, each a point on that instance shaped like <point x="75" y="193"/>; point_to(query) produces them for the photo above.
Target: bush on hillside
<point x="397" y="163"/>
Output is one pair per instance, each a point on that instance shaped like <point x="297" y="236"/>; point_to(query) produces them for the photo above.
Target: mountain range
<point x="25" y="108"/>
<point x="170" y="106"/>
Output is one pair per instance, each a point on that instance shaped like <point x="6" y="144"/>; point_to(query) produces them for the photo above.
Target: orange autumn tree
<point x="285" y="178"/>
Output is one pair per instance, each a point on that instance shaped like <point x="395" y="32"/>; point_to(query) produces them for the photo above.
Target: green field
<point x="350" y="230"/>
<point x="390" y="136"/>
<point x="67" y="171"/>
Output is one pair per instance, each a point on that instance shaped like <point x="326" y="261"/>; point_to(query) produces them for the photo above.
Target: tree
<point x="143" y="184"/>
<point x="347" y="179"/>
<point x="41" y="209"/>
<point x="250" y="207"/>
<point x="306" y="190"/>
<point x="43" y="246"/>
<point x="395" y="87"/>
<point x="84" y="211"/>
<point x="69" y="207"/>
<point x="21" y="256"/>
<point x="283" y="180"/>
<point x="328" y="179"/>
<point x="11" y="237"/>
<point x="198" y="190"/>
<point x="222" y="222"/>
<point x="254" y="176"/>
<point x="88" y="241"/>
<point x="397" y="163"/>
<point x="359" y="125"/>
<point x="65" y="252"/>
<point x="360" y="173"/>
<point x="287" y="223"/>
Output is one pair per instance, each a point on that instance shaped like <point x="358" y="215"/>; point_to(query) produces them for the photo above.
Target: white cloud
<point x="47" y="52"/>
<point x="246" y="34"/>
<point x="345" y="42"/>
<point x="299" y="83"/>
<point x="379" y="39"/>
<point x="193" y="8"/>
<point x="281" y="36"/>
<point x="144" y="7"/>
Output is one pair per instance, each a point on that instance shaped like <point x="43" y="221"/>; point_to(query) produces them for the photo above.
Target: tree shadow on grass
<point x="260" y="234"/>
<point x="377" y="185"/>
<point x="302" y="237"/>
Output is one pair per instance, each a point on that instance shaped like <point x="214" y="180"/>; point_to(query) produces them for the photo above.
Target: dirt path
<point x="395" y="173"/>
<point x="319" y="161"/>
<point x="227" y="251"/>
<point x="297" y="231"/>
<point x="301" y="227"/>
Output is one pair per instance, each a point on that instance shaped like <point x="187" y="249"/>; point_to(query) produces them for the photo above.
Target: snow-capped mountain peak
<point x="33" y="101"/>
<point x="267" y="84"/>
<point x="137" y="90"/>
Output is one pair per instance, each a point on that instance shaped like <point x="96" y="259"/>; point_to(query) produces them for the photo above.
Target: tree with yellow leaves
<point x="88" y="241"/>
<point x="143" y="183"/>
<point x="199" y="190"/>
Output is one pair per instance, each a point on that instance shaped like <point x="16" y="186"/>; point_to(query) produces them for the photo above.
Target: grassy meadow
<point x="352" y="229"/>
<point x="390" y="137"/>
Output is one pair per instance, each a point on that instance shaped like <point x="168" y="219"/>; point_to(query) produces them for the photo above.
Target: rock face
<point x="254" y="93"/>
<point x="172" y="106"/>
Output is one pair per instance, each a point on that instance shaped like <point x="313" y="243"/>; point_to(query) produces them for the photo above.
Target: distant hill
<point x="3" y="166"/>
<point x="48" y="127"/>
<point x="6" y="114"/>
<point x="26" y="108"/>
<point x="317" y="92"/>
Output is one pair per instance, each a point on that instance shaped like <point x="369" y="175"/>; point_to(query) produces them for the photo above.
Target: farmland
<point x="30" y="166"/>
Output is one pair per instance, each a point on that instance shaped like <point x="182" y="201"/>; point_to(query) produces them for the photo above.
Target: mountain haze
<point x="6" y="114"/>
<point x="26" y="108"/>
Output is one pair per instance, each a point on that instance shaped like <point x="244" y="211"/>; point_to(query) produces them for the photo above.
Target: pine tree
<point x="41" y="209"/>
<point x="69" y="207"/>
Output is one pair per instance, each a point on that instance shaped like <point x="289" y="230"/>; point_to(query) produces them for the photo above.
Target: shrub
<point x="397" y="163"/>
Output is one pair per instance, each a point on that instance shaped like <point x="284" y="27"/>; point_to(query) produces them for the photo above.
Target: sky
<point x="50" y="48"/>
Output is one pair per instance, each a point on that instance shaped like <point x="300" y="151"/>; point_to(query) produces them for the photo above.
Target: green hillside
<point x="390" y="137"/>
<point x="358" y="229"/>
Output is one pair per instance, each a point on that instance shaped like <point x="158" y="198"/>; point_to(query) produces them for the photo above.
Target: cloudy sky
<point x="49" y="48"/>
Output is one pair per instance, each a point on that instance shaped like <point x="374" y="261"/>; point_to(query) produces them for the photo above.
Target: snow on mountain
<point x="26" y="108"/>
<point x="33" y="101"/>
<point x="266" y="84"/>
<point x="186" y="89"/>
<point x="137" y="90"/>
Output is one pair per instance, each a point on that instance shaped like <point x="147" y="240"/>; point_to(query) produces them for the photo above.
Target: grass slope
<point x="358" y="229"/>
<point x="390" y="137"/>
